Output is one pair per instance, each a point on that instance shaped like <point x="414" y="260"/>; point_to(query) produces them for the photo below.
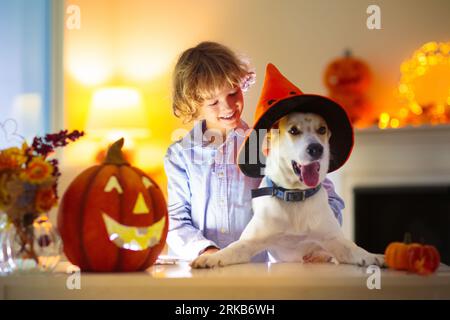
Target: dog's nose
<point x="315" y="150"/>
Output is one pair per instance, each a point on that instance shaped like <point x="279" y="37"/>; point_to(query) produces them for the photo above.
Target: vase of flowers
<point x="28" y="190"/>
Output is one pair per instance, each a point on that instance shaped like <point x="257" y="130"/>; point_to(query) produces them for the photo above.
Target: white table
<point x="247" y="281"/>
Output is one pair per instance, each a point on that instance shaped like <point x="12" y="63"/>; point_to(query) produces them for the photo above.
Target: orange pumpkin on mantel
<point x="348" y="74"/>
<point x="113" y="217"/>
<point x="413" y="257"/>
<point x="348" y="79"/>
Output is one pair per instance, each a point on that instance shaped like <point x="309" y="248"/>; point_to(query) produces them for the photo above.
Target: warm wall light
<point x="117" y="112"/>
<point x="89" y="68"/>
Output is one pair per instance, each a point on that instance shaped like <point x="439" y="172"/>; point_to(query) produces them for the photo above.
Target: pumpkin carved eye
<point x="113" y="184"/>
<point x="147" y="182"/>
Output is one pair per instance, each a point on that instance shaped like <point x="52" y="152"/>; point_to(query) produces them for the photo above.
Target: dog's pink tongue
<point x="310" y="174"/>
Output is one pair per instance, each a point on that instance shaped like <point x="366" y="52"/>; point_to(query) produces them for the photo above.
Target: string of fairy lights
<point x="428" y="56"/>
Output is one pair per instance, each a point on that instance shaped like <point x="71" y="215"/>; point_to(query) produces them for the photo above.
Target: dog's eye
<point x="294" y="131"/>
<point x="322" y="130"/>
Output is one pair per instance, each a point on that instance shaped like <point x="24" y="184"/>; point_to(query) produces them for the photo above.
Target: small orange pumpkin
<point x="113" y="217"/>
<point x="413" y="257"/>
<point x="396" y="254"/>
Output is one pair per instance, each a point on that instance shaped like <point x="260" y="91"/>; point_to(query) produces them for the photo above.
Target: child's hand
<point x="210" y="250"/>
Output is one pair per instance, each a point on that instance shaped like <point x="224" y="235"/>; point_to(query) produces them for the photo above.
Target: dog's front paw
<point x="362" y="258"/>
<point x="368" y="259"/>
<point x="212" y="260"/>
<point x="359" y="256"/>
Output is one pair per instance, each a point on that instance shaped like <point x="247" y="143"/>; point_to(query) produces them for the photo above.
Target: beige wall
<point x="299" y="36"/>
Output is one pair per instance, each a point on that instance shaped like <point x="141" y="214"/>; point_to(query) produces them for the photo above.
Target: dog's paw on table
<point x="207" y="261"/>
<point x="370" y="260"/>
<point x="359" y="257"/>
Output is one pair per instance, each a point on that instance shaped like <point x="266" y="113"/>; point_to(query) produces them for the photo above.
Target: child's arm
<point x="336" y="202"/>
<point x="183" y="238"/>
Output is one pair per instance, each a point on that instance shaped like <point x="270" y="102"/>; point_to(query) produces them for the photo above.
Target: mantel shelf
<point x="406" y="129"/>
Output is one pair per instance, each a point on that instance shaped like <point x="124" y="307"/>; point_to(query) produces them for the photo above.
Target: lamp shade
<point x="118" y="110"/>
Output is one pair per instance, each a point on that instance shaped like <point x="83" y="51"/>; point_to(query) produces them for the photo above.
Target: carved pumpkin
<point x="113" y="217"/>
<point x="414" y="257"/>
<point x="348" y="80"/>
<point x="348" y="74"/>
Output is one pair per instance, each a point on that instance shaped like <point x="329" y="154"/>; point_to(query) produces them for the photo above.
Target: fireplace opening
<point x="384" y="214"/>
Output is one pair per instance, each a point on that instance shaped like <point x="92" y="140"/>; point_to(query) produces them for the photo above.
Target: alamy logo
<point x="73" y="281"/>
<point x="374" y="280"/>
<point x="74" y="19"/>
<point x="374" y="19"/>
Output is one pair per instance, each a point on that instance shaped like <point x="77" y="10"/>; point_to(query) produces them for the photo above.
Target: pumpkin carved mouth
<point x="133" y="238"/>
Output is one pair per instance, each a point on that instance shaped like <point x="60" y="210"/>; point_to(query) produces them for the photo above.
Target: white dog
<point x="294" y="231"/>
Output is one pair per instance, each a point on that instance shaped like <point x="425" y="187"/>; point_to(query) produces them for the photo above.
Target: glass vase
<point x="30" y="248"/>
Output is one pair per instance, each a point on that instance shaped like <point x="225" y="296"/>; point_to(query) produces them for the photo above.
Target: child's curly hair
<point x="201" y="71"/>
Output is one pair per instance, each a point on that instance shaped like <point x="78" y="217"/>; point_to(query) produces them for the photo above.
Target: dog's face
<point x="299" y="151"/>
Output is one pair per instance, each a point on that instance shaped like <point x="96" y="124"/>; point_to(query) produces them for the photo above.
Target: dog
<point x="296" y="231"/>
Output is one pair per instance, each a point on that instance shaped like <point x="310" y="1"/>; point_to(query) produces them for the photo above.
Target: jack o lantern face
<point x="113" y="217"/>
<point x="347" y="75"/>
<point x="129" y="237"/>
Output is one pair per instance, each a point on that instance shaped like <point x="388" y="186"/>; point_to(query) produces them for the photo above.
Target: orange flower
<point x="45" y="199"/>
<point x="37" y="171"/>
<point x="11" y="158"/>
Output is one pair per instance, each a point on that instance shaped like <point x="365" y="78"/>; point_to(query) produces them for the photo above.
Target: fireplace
<point x="397" y="181"/>
<point x="383" y="215"/>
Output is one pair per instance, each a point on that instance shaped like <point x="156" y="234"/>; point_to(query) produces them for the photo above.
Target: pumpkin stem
<point x="407" y="239"/>
<point x="115" y="155"/>
<point x="348" y="53"/>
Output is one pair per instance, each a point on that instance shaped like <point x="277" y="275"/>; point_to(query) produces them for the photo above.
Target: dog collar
<point x="284" y="194"/>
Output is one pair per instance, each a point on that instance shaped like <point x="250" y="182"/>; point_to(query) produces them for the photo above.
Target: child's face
<point x="223" y="111"/>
